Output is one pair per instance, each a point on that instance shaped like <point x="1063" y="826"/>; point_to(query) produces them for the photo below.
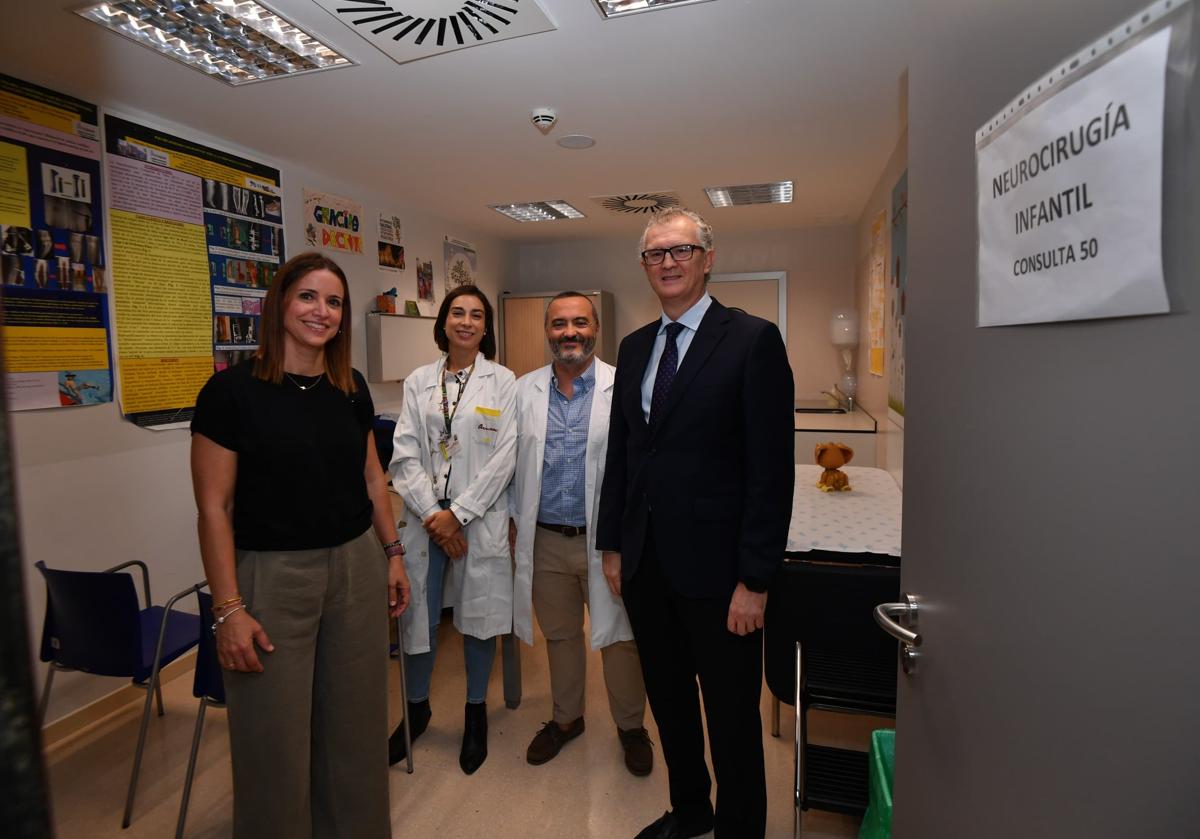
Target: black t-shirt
<point x="301" y="455"/>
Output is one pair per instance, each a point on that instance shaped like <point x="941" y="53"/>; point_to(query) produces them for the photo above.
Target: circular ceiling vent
<point x="410" y="29"/>
<point x="638" y="202"/>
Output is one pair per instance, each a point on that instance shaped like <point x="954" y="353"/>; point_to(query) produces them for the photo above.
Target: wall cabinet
<point x="397" y="345"/>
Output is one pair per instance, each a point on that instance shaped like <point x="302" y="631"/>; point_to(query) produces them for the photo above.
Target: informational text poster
<point x="877" y="293"/>
<point x="898" y="299"/>
<point x="333" y="222"/>
<point x="56" y="329"/>
<point x="197" y="238"/>
<point x="1070" y="197"/>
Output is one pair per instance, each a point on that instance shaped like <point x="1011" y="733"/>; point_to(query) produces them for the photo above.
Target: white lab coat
<point x="478" y="587"/>
<point x="608" y="619"/>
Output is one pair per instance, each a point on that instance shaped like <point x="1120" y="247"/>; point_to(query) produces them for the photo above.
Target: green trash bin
<point x="877" y="822"/>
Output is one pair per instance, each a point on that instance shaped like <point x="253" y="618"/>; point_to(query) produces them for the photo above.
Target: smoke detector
<point x="543" y="118"/>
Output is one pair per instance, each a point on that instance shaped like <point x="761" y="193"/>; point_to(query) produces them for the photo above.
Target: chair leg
<point x="44" y="701"/>
<point x="774" y="715"/>
<point x="191" y="769"/>
<point x="141" y="745"/>
<point x="510" y="654"/>
<point x="404" y="694"/>
<point x="801" y="742"/>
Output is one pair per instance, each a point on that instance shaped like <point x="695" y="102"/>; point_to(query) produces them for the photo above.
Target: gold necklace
<point x="292" y="379"/>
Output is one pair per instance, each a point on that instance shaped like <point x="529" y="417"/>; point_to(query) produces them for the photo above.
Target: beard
<point x="573" y="356"/>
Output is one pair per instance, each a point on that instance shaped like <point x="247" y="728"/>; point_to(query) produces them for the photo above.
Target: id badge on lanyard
<point x="448" y="443"/>
<point x="449" y="446"/>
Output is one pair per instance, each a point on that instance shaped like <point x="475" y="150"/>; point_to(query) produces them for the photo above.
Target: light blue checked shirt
<point x="563" y="498"/>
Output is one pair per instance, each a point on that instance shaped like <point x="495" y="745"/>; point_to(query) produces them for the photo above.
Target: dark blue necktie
<point x="668" y="363"/>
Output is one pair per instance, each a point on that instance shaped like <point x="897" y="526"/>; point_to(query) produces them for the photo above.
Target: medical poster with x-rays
<point x="55" y="313"/>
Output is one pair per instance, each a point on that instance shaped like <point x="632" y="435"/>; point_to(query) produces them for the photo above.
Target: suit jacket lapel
<point x="642" y="344"/>
<point x="708" y="336"/>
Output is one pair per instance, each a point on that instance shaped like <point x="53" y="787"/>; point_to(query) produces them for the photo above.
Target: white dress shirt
<point x="690" y="320"/>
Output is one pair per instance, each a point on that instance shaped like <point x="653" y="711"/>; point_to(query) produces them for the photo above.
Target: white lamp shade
<point x="843" y="328"/>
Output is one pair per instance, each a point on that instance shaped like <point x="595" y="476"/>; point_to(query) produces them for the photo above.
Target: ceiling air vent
<point x="406" y="30"/>
<point x="638" y="202"/>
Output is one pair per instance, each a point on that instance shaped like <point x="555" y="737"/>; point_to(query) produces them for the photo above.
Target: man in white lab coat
<point x="562" y="438"/>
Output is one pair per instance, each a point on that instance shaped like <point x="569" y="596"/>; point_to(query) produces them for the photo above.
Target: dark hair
<point x="268" y="364"/>
<point x="488" y="345"/>
<point x="564" y="294"/>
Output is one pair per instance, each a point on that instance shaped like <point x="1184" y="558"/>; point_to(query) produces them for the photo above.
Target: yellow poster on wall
<point x="877" y="293"/>
<point x="197" y="239"/>
<point x="52" y="259"/>
<point x="14" y="186"/>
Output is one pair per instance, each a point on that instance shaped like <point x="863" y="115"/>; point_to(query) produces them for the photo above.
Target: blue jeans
<point x="478" y="653"/>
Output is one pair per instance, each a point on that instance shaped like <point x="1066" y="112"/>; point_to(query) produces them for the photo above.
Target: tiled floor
<point x="584" y="792"/>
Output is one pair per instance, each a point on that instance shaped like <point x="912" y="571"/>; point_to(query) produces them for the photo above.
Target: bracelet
<point x="226" y="604"/>
<point x="393" y="550"/>
<point x="396" y="544"/>
<point x="220" y="620"/>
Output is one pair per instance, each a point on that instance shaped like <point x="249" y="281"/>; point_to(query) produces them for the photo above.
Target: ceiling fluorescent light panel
<point x="236" y="41"/>
<point x="538" y="211"/>
<point x="616" y="8"/>
<point x="779" y="192"/>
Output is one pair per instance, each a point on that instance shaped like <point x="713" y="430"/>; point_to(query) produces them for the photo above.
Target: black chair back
<point x="827" y="606"/>
<point x="208" y="681"/>
<point x="385" y="432"/>
<point x="92" y="623"/>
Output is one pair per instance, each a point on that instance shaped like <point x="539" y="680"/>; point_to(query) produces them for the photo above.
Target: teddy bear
<point x="831" y="456"/>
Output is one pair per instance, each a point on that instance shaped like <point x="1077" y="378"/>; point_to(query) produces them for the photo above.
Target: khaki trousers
<point x="560" y="593"/>
<point x="308" y="736"/>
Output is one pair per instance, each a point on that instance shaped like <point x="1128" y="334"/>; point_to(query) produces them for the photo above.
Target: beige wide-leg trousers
<point x="308" y="735"/>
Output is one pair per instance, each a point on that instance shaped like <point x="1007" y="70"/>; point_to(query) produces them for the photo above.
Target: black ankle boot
<point x="419" y="713"/>
<point x="474" y="743"/>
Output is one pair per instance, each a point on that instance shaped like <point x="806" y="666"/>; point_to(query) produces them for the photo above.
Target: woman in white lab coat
<point x="455" y="448"/>
<point x="606" y="613"/>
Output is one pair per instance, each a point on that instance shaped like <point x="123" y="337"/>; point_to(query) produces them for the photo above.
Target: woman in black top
<point x="299" y="543"/>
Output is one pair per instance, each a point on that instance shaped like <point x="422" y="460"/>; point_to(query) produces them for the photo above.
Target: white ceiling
<point x="711" y="94"/>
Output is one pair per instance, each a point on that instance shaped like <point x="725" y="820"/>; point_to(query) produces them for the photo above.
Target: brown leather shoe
<point x="549" y="741"/>
<point x="639" y="756"/>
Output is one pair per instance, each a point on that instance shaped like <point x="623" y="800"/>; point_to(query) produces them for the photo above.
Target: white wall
<point x="873" y="390"/>
<point x="819" y="262"/>
<point x="94" y="490"/>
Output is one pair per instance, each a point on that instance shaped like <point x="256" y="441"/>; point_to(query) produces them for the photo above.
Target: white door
<point x="1051" y="494"/>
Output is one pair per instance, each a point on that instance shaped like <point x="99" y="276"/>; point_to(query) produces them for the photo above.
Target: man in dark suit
<point x="693" y="522"/>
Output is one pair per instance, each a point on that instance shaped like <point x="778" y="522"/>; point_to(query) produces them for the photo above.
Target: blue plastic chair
<point x="209" y="687"/>
<point x="94" y="625"/>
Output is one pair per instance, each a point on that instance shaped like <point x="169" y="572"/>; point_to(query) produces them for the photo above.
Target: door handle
<point x="905" y="633"/>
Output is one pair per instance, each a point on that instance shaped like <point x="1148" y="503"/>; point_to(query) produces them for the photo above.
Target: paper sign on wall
<point x="1070" y="198"/>
<point x="333" y="222"/>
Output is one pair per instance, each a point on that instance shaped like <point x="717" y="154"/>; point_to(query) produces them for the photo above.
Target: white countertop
<point x="857" y="420"/>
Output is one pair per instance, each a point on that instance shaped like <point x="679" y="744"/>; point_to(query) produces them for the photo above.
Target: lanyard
<point x="447" y="414"/>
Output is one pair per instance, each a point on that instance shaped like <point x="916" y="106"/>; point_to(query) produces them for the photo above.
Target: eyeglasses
<point x="679" y="253"/>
